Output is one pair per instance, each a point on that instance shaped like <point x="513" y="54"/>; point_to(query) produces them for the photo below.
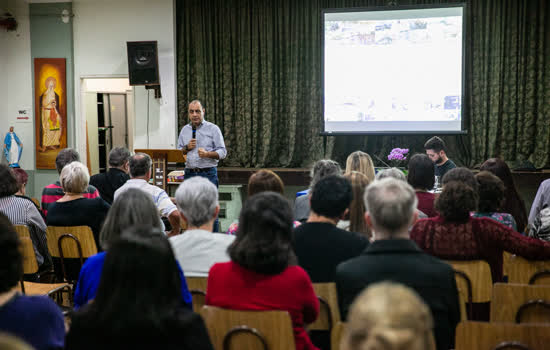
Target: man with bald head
<point x="202" y="142"/>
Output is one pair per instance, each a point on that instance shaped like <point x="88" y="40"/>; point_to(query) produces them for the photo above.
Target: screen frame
<point x="462" y="131"/>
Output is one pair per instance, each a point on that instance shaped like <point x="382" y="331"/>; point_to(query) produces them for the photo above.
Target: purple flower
<point x="398" y="154"/>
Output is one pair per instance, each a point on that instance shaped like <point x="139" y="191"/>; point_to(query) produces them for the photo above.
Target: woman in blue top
<point x="35" y="319"/>
<point x="132" y="208"/>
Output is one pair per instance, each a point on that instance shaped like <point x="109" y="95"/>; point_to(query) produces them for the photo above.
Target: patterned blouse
<point x="235" y="226"/>
<point x="503" y="218"/>
<point x="478" y="238"/>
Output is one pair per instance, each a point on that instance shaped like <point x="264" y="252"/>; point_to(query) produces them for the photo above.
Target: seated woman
<point x="455" y="235"/>
<point x="421" y="178"/>
<point x="132" y="208"/>
<point x="21" y="211"/>
<point x="513" y="203"/>
<point x="262" y="181"/>
<point x="388" y="316"/>
<point x="35" y="319"/>
<point x="491" y="196"/>
<point x="354" y="221"/>
<point x="75" y="210"/>
<point x="138" y="302"/>
<point x="361" y="162"/>
<point x="262" y="273"/>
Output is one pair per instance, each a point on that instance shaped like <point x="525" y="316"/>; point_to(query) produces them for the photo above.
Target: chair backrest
<point x="337" y="334"/>
<point x="329" y="313"/>
<point x="30" y="265"/>
<point x="36" y="202"/>
<point x="71" y="241"/>
<point x="232" y="329"/>
<point x="520" y="303"/>
<point x="473" y="280"/>
<point x="520" y="270"/>
<point x="22" y="231"/>
<point x="499" y="336"/>
<point x="197" y="288"/>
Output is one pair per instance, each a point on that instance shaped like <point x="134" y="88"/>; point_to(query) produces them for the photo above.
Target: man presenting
<point x="436" y="150"/>
<point x="203" y="144"/>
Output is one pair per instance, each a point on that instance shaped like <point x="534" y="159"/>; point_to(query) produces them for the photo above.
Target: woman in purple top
<point x="35" y="319"/>
<point x="132" y="208"/>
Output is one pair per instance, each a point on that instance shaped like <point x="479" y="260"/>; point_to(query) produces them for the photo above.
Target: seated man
<point x="53" y="192"/>
<point x="140" y="173"/>
<point x="198" y="248"/>
<point x="436" y="150"/>
<point x="542" y="199"/>
<point x="319" y="245"/>
<point x="117" y="175"/>
<point x="394" y="257"/>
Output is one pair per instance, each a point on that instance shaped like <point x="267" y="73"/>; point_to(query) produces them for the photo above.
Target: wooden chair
<point x="474" y="282"/>
<point x="70" y="242"/>
<point x="232" y="329"/>
<point x="520" y="303"/>
<point x="30" y="266"/>
<point x="337" y="334"/>
<point x="499" y="336"/>
<point x="329" y="313"/>
<point x="36" y="202"/>
<point x="520" y="270"/>
<point x="197" y="288"/>
<point x="22" y="231"/>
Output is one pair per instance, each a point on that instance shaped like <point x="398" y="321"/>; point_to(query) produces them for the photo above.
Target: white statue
<point x="13" y="148"/>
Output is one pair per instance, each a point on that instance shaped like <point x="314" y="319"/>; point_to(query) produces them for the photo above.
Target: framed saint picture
<point x="50" y="98"/>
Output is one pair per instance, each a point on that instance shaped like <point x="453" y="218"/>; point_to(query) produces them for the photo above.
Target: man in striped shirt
<point x="53" y="192"/>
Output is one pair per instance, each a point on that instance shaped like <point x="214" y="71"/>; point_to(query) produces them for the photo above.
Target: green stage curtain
<point x="256" y="66"/>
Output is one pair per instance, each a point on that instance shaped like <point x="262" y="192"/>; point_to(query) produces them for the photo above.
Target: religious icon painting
<point x="50" y="99"/>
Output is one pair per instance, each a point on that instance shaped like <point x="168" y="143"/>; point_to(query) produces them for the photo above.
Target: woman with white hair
<point x="73" y="209"/>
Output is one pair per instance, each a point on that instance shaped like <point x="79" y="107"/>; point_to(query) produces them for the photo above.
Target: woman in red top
<point x="421" y="178"/>
<point x="456" y="235"/>
<point x="262" y="273"/>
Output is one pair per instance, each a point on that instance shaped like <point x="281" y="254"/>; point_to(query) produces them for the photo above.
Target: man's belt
<point x="198" y="170"/>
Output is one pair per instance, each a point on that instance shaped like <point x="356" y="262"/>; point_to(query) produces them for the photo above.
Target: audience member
<point x="391" y="172"/>
<point x="421" y="178"/>
<point x="513" y="203"/>
<point x="138" y="302"/>
<point x="542" y="200"/>
<point x="117" y="175"/>
<point x="261" y="181"/>
<point x="198" y="248"/>
<point x="456" y="235"/>
<point x="35" y="319"/>
<point x="319" y="245"/>
<point x="361" y="162"/>
<point x="355" y="219"/>
<point x="21" y="211"/>
<point x="262" y="273"/>
<point x="73" y="209"/>
<point x="321" y="169"/>
<point x="53" y="192"/>
<point x="541" y="226"/>
<point x="393" y="256"/>
<point x="22" y="177"/>
<point x="140" y="173"/>
<point x="462" y="174"/>
<point x="437" y="151"/>
<point x="132" y="208"/>
<point x="491" y="196"/>
<point x="388" y="316"/>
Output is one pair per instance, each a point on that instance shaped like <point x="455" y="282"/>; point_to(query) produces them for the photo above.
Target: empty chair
<point x="521" y="270"/>
<point x="251" y="330"/>
<point x="329" y="313"/>
<point x="197" y="288"/>
<point x="336" y="335"/>
<point x="520" y="303"/>
<point x="488" y="336"/>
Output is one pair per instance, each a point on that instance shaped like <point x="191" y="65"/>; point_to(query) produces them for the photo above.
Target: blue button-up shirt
<point x="209" y="137"/>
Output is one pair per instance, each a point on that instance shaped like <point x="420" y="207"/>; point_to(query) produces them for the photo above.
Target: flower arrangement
<point x="398" y="156"/>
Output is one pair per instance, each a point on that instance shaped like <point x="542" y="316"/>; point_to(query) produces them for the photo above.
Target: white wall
<point x="16" y="94"/>
<point x="101" y="29"/>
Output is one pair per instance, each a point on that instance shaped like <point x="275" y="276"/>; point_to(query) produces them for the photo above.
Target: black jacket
<point x="401" y="261"/>
<point x="107" y="183"/>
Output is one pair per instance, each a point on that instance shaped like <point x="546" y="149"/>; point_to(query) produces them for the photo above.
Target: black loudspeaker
<point x="143" y="66"/>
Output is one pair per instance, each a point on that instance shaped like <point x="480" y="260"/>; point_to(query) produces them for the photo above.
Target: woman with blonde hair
<point x="355" y="220"/>
<point x="361" y="162"/>
<point x="389" y="316"/>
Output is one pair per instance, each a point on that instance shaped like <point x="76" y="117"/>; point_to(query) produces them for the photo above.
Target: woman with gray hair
<point x="321" y="169"/>
<point x="74" y="210"/>
<point x="133" y="207"/>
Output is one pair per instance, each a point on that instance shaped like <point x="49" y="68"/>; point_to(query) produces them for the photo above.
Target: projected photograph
<point x="393" y="70"/>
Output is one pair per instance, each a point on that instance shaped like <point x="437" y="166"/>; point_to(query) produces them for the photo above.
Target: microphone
<point x="194" y="132"/>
